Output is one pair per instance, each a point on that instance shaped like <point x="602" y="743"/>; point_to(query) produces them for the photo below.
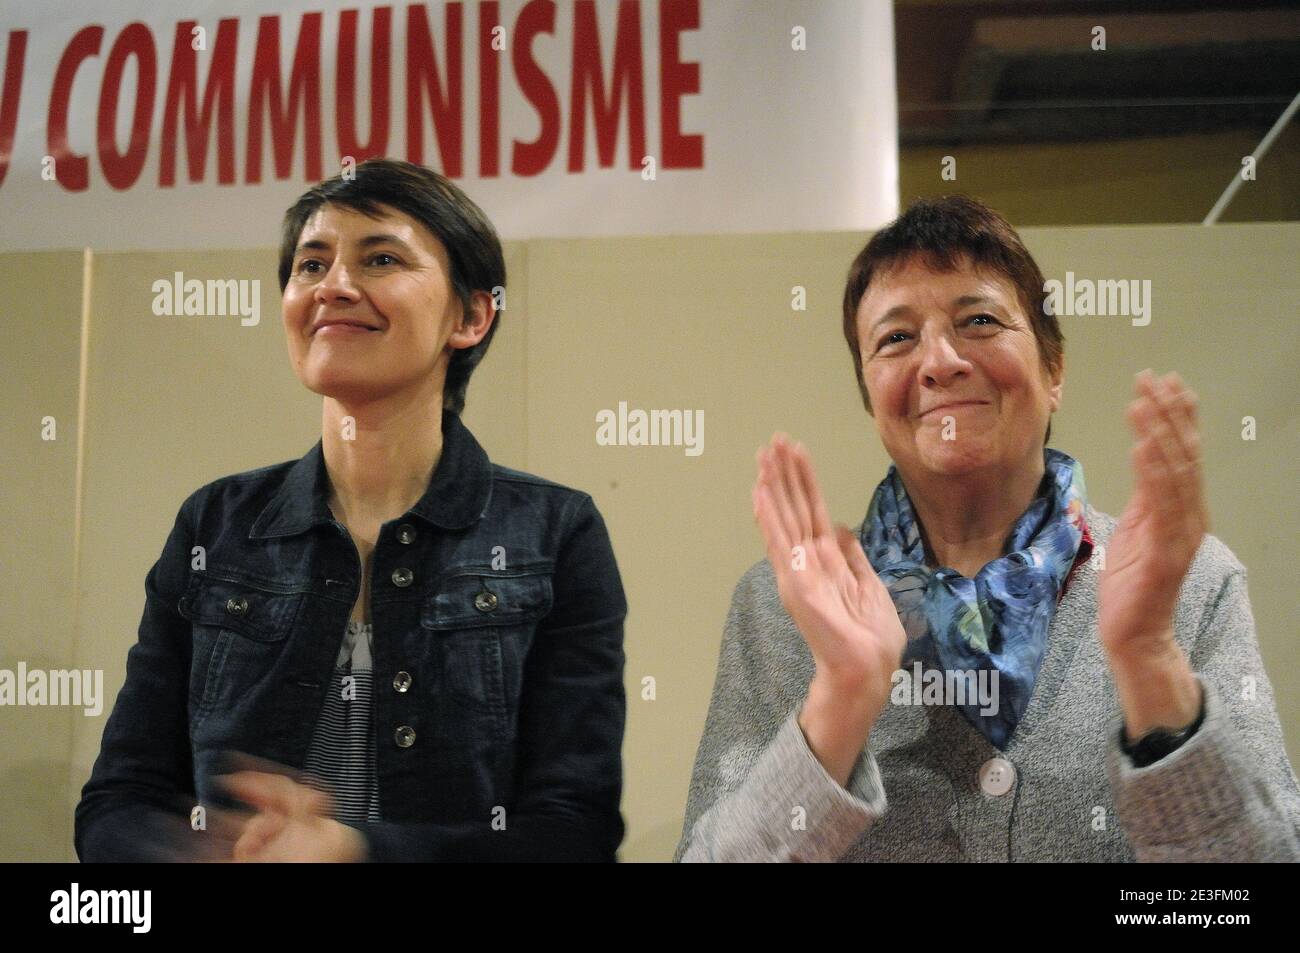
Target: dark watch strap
<point x="1159" y="742"/>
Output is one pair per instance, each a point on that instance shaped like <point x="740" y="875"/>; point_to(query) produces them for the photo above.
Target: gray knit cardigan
<point x="1227" y="794"/>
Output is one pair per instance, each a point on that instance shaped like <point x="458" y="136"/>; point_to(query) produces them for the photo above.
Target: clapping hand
<point x="1149" y="555"/>
<point x="840" y="606"/>
<point x="1161" y="527"/>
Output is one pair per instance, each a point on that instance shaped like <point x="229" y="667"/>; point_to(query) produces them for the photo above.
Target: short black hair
<point x="474" y="250"/>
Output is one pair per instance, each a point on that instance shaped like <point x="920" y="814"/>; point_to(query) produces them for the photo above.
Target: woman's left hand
<point x="291" y="824"/>
<point x="1162" y="526"/>
<point x="1148" y="556"/>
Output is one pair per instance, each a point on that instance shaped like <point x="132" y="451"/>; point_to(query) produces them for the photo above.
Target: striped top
<point x="341" y="756"/>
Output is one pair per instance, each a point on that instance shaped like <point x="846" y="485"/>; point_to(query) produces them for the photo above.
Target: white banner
<point x="139" y="125"/>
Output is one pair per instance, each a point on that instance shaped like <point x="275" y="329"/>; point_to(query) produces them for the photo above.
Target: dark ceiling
<point x="971" y="72"/>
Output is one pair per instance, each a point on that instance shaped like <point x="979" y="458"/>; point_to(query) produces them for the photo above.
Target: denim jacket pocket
<point x="483" y="622"/>
<point x="239" y="629"/>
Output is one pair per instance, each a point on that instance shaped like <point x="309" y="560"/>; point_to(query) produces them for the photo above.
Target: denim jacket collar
<point x="456" y="498"/>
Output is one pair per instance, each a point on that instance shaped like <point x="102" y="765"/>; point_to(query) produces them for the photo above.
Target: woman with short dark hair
<point x="1071" y="687"/>
<point x="422" y="650"/>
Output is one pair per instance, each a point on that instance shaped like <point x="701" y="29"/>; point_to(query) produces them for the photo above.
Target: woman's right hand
<point x="835" y="598"/>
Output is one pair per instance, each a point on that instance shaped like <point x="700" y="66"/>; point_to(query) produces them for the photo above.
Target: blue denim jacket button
<point x="402" y="681"/>
<point x="404" y="736"/>
<point x="403" y="577"/>
<point x="406" y="533"/>
<point x="485" y="601"/>
<point x="236" y="606"/>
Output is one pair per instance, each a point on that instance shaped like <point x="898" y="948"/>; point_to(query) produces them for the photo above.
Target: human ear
<point x="1056" y="383"/>
<point x="472" y="327"/>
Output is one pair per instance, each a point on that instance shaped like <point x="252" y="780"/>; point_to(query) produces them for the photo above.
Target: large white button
<point x="997" y="775"/>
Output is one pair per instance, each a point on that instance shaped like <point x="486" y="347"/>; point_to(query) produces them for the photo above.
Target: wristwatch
<point x="1159" y="742"/>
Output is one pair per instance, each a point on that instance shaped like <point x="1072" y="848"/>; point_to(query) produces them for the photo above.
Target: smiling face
<point x="953" y="355"/>
<point x="388" y="282"/>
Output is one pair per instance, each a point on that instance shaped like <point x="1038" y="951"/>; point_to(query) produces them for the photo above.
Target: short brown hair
<point x="473" y="249"/>
<point x="941" y="231"/>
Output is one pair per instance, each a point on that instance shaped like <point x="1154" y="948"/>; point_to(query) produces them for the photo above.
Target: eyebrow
<point x="960" y="302"/>
<point x="367" y="242"/>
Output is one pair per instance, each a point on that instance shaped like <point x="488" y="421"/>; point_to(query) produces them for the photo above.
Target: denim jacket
<point x="499" y="707"/>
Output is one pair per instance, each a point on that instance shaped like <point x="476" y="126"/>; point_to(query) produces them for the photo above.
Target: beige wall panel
<point x="39" y="365"/>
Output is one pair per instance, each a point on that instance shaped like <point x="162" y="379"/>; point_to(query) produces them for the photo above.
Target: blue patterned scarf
<point x="996" y="622"/>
